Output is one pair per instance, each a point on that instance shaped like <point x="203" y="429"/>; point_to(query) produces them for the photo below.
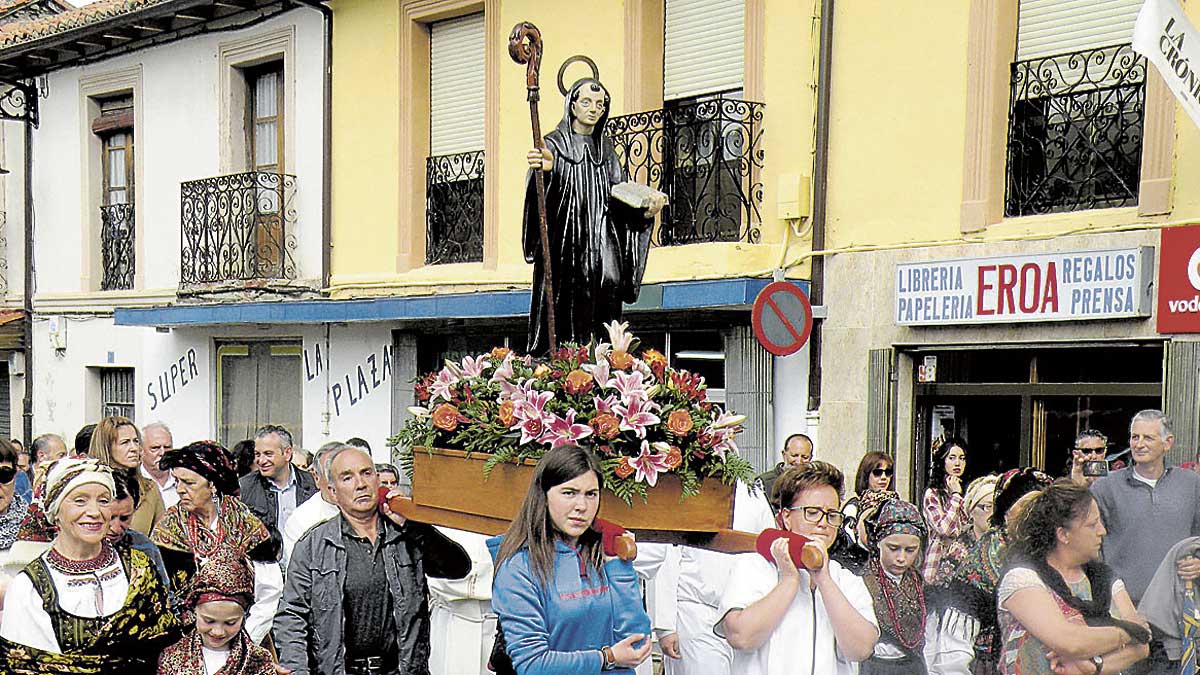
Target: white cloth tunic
<point x="462" y="624"/>
<point x="26" y="622"/>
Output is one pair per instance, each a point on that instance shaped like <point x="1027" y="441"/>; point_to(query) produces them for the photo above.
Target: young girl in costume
<point x="564" y="608"/>
<point x="893" y="576"/>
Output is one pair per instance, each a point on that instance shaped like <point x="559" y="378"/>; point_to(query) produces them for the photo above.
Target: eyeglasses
<point x="879" y="473"/>
<point x="814" y="514"/>
<point x="7" y="474"/>
<point x="1091" y="451"/>
<point x="985" y="507"/>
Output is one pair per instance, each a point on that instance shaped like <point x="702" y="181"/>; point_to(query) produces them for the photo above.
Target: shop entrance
<point x="1024" y="406"/>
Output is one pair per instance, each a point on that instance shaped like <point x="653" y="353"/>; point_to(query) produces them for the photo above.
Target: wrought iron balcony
<point x="116" y="246"/>
<point x="1075" y="131"/>
<point x="454" y="208"/>
<point x="238" y="228"/>
<point x="707" y="156"/>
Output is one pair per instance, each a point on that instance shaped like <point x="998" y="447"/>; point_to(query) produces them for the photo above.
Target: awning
<point x="736" y="293"/>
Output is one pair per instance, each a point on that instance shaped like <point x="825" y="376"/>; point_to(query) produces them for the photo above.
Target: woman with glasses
<point x="873" y="480"/>
<point x="782" y="619"/>
<point x="979" y="501"/>
<point x="945" y="515"/>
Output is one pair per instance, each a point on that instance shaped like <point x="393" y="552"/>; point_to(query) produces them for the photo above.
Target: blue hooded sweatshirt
<point x="561" y="629"/>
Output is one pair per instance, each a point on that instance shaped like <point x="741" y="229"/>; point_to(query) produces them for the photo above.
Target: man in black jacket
<point x="276" y="488"/>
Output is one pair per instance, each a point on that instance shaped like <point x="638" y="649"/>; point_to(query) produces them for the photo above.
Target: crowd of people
<point x="126" y="554"/>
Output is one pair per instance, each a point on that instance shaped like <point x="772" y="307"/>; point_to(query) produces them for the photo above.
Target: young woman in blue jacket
<point x="563" y="607"/>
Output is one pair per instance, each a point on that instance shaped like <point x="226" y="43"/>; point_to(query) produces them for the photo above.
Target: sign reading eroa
<point x="1114" y="284"/>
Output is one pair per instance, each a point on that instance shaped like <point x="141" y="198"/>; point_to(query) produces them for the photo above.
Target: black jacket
<point x="263" y="501"/>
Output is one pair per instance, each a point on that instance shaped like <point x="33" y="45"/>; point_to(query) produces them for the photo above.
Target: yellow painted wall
<point x="367" y="114"/>
<point x="898" y="126"/>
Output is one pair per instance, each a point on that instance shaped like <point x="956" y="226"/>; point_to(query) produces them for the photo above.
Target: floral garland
<point x="641" y="417"/>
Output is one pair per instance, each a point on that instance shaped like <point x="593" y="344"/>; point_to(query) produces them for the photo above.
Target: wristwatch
<point x="608" y="660"/>
<point x="1098" y="661"/>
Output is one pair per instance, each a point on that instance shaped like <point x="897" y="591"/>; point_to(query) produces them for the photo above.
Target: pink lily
<point x="443" y="386"/>
<point x="564" y="431"/>
<point x="637" y="416"/>
<point x="648" y="465"/>
<point x="532" y="413"/>
<point x="630" y="386"/>
<point x="503" y="376"/>
<point x="599" y="371"/>
<point x="606" y="404"/>
<point x="474" y="366"/>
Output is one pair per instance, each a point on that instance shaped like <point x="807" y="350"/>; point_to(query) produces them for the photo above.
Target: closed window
<point x="116" y="392"/>
<point x="265" y="117"/>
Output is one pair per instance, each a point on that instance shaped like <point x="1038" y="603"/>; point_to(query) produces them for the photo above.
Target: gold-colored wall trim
<point x="1158" y="147"/>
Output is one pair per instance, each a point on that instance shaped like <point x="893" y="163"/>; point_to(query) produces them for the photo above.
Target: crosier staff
<point x="525" y="47"/>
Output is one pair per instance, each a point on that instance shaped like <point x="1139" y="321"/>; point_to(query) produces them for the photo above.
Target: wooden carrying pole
<point x="525" y="47"/>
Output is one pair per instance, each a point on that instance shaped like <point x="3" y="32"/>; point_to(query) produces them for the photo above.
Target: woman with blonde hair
<point x="117" y="442"/>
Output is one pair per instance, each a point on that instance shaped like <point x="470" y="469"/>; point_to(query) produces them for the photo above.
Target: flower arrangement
<point x="641" y="417"/>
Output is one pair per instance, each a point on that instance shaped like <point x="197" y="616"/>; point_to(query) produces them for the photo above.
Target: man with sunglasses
<point x="1090" y="446"/>
<point x="12" y="505"/>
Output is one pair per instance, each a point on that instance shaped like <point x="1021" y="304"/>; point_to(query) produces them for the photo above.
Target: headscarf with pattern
<point x="895" y="516"/>
<point x="68" y="474"/>
<point x="209" y="459"/>
<point x="899" y="603"/>
<point x="225" y="577"/>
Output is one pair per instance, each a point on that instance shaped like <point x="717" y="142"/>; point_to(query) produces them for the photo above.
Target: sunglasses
<point x="1091" y="451"/>
<point x="879" y="473"/>
<point x="7" y="474"/>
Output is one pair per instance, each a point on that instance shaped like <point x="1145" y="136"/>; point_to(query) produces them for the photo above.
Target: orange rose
<point x="679" y="422"/>
<point x="624" y="469"/>
<point x="620" y="359"/>
<point x="606" y="425"/>
<point x="506" y="413"/>
<point x="500" y="352"/>
<point x="674" y="458"/>
<point x="541" y="371"/>
<point x="577" y="382"/>
<point x="445" y="417"/>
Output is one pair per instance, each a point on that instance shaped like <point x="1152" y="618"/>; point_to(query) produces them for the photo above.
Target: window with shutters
<point x="116" y="392"/>
<point x="264" y="117"/>
<point x="454" y="167"/>
<point x="704" y="148"/>
<point x="1076" y="108"/>
<point x="114" y="127"/>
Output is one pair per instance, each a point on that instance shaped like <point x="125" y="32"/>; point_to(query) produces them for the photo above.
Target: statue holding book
<point x="598" y="222"/>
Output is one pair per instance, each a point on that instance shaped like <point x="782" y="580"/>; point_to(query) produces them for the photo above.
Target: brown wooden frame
<point x="252" y="75"/>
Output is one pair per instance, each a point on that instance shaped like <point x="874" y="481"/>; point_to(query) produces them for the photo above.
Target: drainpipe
<point x="820" y="198"/>
<point x="326" y="141"/>
<point x="27" y="291"/>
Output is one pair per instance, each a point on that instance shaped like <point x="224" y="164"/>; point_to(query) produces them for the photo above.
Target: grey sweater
<point x="1162" y="605"/>
<point x="1143" y="523"/>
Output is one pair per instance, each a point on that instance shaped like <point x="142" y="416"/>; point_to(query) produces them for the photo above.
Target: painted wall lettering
<point x="182" y="372"/>
<point x="368" y="375"/>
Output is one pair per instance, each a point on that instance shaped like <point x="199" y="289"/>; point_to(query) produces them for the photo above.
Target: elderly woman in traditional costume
<point x="222" y="592"/>
<point x="82" y="606"/>
<point x="210" y="521"/>
<point x="896" y="534"/>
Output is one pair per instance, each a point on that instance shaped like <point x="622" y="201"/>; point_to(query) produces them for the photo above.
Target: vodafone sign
<point x="1179" y="280"/>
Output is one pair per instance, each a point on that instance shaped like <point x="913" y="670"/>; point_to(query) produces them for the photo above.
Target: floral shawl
<point x="245" y="658"/>
<point x="973" y="588"/>
<point x="238" y="531"/>
<point x="128" y="642"/>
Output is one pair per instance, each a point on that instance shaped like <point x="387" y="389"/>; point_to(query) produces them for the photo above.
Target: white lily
<point x="418" y="412"/>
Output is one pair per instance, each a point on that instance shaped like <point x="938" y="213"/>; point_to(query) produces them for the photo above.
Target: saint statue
<point x="598" y="242"/>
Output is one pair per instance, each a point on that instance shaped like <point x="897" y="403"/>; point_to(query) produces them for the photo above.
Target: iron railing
<point x="239" y="227"/>
<point x="454" y="208"/>
<point x="707" y="156"/>
<point x="116" y="246"/>
<point x="1075" y="131"/>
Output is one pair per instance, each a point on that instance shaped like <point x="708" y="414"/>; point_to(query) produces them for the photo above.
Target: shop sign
<point x="1113" y="284"/>
<point x="1179" y="280"/>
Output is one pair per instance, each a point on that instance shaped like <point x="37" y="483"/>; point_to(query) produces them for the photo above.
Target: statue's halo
<point x="562" y="70"/>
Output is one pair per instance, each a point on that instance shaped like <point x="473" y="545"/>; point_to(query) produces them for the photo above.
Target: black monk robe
<point x="598" y="245"/>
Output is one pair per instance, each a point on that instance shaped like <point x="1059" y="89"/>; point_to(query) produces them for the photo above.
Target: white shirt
<point x="268" y="589"/>
<point x="214" y="660"/>
<point x="168" y="490"/>
<point x="26" y="622"/>
<point x="314" y="511"/>
<point x="803" y="642"/>
<point x="1148" y="481"/>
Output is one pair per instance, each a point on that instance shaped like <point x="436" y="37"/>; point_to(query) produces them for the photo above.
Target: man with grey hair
<point x="156" y="440"/>
<point x="275" y="490"/>
<point x="45" y="449"/>
<point x="319" y="507"/>
<point x="356" y="600"/>
<point x="1148" y="507"/>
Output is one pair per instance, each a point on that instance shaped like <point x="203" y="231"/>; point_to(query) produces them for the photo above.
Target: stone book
<point x="634" y="194"/>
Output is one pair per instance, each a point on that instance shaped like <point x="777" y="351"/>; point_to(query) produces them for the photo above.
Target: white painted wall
<point x="167" y="390"/>
<point x="180" y="141"/>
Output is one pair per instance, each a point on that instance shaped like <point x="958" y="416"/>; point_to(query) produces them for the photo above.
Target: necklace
<point x="79" y="567"/>
<point x="884" y="582"/>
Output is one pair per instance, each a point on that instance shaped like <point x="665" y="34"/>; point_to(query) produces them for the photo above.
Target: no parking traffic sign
<point x="782" y="318"/>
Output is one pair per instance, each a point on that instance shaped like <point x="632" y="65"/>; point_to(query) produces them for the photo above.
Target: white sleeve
<point x="752" y="578"/>
<point x="860" y="599"/>
<point x="950" y="642"/>
<point x="666" y="593"/>
<point x="25" y="621"/>
<point x="1016" y="579"/>
<point x="268" y="589"/>
<point x="751" y="511"/>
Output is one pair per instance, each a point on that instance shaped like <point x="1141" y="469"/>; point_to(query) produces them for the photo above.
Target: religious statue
<point x="598" y="223"/>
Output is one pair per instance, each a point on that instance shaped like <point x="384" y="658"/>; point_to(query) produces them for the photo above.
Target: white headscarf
<point x="68" y="474"/>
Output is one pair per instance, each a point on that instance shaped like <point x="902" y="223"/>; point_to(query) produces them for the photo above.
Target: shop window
<point x="116" y="392"/>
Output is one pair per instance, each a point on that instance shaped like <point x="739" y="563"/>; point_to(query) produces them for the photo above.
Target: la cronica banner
<point x="1165" y="36"/>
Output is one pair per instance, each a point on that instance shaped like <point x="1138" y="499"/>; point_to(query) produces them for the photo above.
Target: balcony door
<point x="114" y="127"/>
<point x="265" y="145"/>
